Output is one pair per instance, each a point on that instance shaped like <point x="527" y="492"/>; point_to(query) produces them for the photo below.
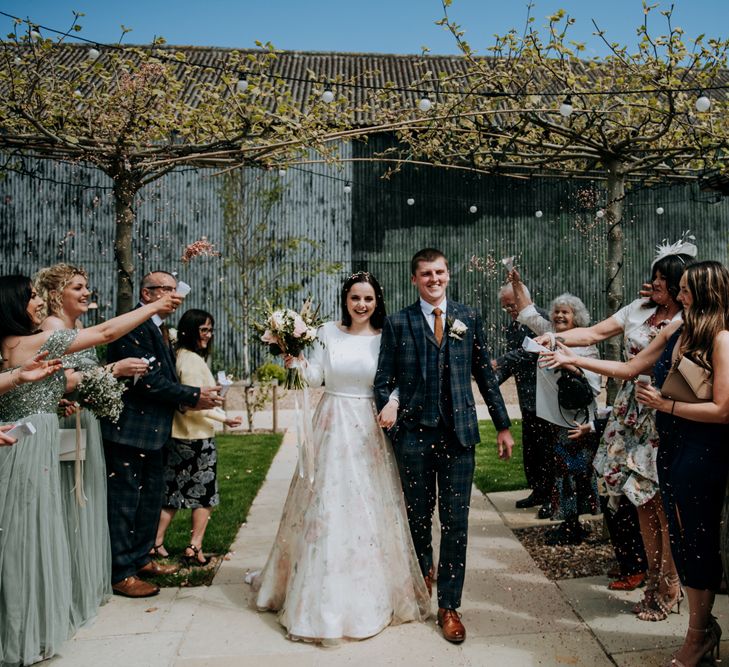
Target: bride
<point x="343" y="563"/>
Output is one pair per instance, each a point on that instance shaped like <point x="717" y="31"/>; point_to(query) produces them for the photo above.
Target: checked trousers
<point x="435" y="467"/>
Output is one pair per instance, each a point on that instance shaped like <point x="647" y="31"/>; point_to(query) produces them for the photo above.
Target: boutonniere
<point x="172" y="333"/>
<point x="456" y="328"/>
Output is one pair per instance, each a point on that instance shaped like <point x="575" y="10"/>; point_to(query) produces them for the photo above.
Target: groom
<point x="428" y="354"/>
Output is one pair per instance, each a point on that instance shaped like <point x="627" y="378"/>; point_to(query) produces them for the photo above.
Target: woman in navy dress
<point x="693" y="458"/>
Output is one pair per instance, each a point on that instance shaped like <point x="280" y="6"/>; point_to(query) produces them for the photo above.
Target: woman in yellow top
<point x="191" y="461"/>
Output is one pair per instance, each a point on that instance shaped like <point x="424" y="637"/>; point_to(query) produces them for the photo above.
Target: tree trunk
<point x="615" y="259"/>
<point x="125" y="189"/>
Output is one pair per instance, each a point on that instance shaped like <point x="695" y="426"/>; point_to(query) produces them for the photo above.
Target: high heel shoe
<point x="710" y="645"/>
<point x="156" y="553"/>
<point x="662" y="605"/>
<point x="649" y="593"/>
<point x="195" y="558"/>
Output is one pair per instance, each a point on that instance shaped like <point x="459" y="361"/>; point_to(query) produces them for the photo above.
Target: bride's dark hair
<point x="378" y="316"/>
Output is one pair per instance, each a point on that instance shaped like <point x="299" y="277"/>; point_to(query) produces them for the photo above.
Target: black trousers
<point x="537" y="438"/>
<point x="624" y="529"/>
<point x="135" y="490"/>
<point x="434" y="465"/>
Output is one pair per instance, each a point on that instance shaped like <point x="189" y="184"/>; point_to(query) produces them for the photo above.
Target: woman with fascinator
<point x="343" y="563"/>
<point x="693" y="459"/>
<point x="626" y="460"/>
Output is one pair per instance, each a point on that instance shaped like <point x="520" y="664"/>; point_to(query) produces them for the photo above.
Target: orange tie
<point x="438" y="326"/>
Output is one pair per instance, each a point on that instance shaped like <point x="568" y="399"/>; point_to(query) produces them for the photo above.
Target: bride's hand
<point x="562" y="356"/>
<point x="291" y="361"/>
<point x="388" y="415"/>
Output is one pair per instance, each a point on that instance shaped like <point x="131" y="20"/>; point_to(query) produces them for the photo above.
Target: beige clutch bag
<point x="688" y="382"/>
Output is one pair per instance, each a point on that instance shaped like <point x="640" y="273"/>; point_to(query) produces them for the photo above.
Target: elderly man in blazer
<point x="428" y="355"/>
<point x="133" y="446"/>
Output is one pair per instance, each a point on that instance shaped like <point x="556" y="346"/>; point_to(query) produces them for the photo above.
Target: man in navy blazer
<point x="133" y="446"/>
<point x="428" y="355"/>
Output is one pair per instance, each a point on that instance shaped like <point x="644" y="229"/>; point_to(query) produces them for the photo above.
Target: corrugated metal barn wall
<point x="69" y="216"/>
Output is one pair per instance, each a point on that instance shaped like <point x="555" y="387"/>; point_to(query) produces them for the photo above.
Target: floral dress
<point x="626" y="457"/>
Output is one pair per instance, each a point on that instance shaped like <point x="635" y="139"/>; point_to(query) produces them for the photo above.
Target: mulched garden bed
<point x="591" y="558"/>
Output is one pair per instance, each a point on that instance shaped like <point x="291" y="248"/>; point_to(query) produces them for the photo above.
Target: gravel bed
<point x="591" y="558"/>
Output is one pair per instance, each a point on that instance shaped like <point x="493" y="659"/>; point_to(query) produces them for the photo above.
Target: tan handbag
<point x="688" y="382"/>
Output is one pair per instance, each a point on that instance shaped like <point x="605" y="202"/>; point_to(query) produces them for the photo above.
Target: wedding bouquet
<point x="288" y="332"/>
<point x="101" y="393"/>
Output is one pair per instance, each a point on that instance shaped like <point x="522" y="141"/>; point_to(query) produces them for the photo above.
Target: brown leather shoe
<point x="429" y="581"/>
<point x="153" y="568"/>
<point x="450" y="621"/>
<point x="134" y="587"/>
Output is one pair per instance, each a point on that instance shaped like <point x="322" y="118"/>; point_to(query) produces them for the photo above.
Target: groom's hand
<point x="388" y="416"/>
<point x="505" y="443"/>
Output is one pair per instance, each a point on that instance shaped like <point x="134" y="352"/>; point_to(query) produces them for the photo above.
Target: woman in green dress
<point x="64" y="289"/>
<point x="35" y="562"/>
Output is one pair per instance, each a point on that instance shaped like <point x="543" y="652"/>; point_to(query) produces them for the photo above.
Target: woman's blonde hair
<point x="51" y="281"/>
<point x="708" y="314"/>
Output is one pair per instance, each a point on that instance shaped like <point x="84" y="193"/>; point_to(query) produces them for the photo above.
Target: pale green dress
<point x="35" y="566"/>
<point x="87" y="528"/>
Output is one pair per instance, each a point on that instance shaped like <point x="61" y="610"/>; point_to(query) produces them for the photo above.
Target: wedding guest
<point x="693" y="460"/>
<point x="626" y="458"/>
<point x="535" y="434"/>
<point x="35" y="569"/>
<point x="64" y="289"/>
<point x="191" y="457"/>
<point x="343" y="563"/>
<point x="574" y="491"/>
<point x="133" y="446"/>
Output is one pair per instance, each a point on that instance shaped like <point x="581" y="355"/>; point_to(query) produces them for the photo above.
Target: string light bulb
<point x="411" y="201"/>
<point x="424" y="104"/>
<point x="93" y="54"/>
<point x="35" y="35"/>
<point x="600" y="213"/>
<point x="660" y="210"/>
<point x="538" y="214"/>
<point x="473" y="209"/>
<point x="18" y="60"/>
<point x="327" y="96"/>
<point x="241" y="85"/>
<point x="282" y="172"/>
<point x="347" y="188"/>
<point x="703" y="103"/>
<point x="566" y="109"/>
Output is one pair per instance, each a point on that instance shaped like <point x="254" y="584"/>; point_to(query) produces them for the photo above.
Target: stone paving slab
<point x="512" y="517"/>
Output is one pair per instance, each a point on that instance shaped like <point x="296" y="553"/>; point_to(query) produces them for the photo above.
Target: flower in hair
<point x="683" y="246"/>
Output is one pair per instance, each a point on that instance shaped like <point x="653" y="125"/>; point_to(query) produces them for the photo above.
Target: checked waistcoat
<point x="438" y="404"/>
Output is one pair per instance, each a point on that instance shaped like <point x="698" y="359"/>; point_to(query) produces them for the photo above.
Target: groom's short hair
<point x="426" y="255"/>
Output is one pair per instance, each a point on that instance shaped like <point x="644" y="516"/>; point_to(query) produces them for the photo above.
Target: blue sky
<point x="385" y="26"/>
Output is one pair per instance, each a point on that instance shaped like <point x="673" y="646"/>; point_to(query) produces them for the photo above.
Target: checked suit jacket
<point x="402" y="364"/>
<point x="150" y="404"/>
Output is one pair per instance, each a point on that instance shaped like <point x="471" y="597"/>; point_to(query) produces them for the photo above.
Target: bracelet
<point x="673" y="407"/>
<point x="552" y="344"/>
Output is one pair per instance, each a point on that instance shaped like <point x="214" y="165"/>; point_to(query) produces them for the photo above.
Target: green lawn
<point x="493" y="474"/>
<point x="243" y="462"/>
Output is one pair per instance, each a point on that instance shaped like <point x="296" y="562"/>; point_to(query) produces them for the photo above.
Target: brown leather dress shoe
<point x="429" y="581"/>
<point x="153" y="568"/>
<point x="450" y="622"/>
<point x="134" y="587"/>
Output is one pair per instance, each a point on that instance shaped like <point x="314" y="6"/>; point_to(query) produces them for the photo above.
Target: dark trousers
<point x="537" y="438"/>
<point x="135" y="490"/>
<point x="434" y="465"/>
<point x="624" y="529"/>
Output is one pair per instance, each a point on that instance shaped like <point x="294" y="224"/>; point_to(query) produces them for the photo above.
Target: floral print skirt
<point x="626" y="458"/>
<point x="191" y="474"/>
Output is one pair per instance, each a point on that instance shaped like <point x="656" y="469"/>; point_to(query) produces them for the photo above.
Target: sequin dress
<point x="87" y="527"/>
<point x="35" y="567"/>
<point x="343" y="563"/>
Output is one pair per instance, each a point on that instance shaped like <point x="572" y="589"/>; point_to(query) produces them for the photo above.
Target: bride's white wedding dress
<point x="343" y="563"/>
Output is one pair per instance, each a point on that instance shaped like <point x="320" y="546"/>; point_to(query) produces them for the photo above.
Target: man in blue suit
<point x="133" y="446"/>
<point x="428" y="355"/>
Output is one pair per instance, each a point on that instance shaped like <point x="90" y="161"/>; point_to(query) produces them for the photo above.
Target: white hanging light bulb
<point x="411" y="201"/>
<point x="600" y="213"/>
<point x="424" y="104"/>
<point x="539" y="214"/>
<point x="35" y="35"/>
<point x="241" y="85"/>
<point x="282" y="172"/>
<point x="566" y="109"/>
<point x="327" y="96"/>
<point x="347" y="188"/>
<point x="660" y="210"/>
<point x="473" y="209"/>
<point x="18" y="60"/>
<point x="93" y="54"/>
<point x="703" y="103"/>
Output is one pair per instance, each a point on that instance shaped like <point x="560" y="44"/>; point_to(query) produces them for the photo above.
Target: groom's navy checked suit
<point x="437" y="428"/>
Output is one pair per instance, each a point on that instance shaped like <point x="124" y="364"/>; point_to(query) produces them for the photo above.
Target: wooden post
<point x="275" y="406"/>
